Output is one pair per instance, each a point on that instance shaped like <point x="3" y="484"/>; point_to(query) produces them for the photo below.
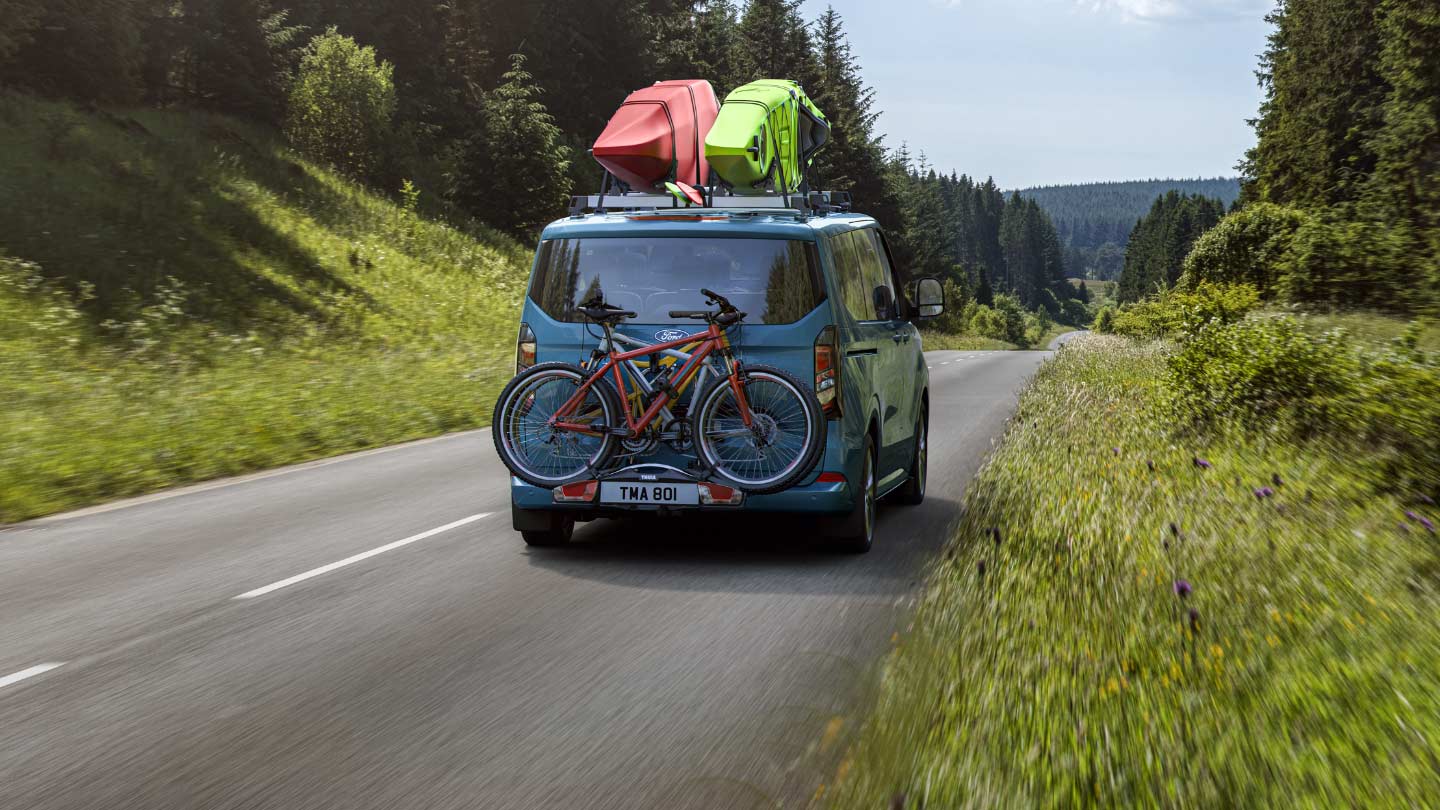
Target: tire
<point x="787" y="408"/>
<point x="855" y="533"/>
<point x="559" y="534"/>
<point x="513" y="419"/>
<point x="913" y="492"/>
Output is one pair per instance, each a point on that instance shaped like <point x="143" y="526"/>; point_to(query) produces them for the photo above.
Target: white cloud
<point x="1172" y="10"/>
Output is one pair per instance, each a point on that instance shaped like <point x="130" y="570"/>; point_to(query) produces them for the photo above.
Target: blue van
<point x="825" y="303"/>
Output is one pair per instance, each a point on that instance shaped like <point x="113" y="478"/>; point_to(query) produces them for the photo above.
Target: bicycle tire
<point x="502" y="423"/>
<point x="706" y="405"/>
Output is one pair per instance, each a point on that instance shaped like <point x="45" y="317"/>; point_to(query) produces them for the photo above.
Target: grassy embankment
<point x="1152" y="626"/>
<point x="181" y="298"/>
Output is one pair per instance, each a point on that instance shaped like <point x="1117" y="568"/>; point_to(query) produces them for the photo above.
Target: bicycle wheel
<point x="538" y="453"/>
<point x="783" y="442"/>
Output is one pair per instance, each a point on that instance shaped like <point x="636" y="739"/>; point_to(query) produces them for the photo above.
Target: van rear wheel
<point x="913" y="492"/>
<point x="855" y="533"/>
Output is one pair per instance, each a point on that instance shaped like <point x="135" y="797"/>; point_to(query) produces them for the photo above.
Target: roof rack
<point x="815" y="203"/>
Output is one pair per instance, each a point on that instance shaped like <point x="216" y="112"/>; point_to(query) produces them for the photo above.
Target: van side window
<point x="874" y="268"/>
<point x="850" y="277"/>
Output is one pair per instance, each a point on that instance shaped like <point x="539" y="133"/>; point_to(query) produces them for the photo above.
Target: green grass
<point x="1372" y="327"/>
<point x="1068" y="672"/>
<point x="182" y="298"/>
<point x="1101" y="292"/>
<point x="946" y="342"/>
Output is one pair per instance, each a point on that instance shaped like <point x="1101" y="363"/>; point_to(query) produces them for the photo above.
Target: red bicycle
<point x="756" y="427"/>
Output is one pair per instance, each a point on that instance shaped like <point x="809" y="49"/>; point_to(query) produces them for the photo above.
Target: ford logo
<point x="667" y="335"/>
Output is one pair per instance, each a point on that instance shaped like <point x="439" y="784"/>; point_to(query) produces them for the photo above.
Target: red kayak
<point x="658" y="134"/>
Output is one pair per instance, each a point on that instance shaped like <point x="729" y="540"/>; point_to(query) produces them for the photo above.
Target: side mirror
<point x="884" y="303"/>
<point x="929" y="298"/>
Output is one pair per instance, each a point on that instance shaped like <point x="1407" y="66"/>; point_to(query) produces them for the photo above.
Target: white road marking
<point x="38" y="669"/>
<point x="364" y="555"/>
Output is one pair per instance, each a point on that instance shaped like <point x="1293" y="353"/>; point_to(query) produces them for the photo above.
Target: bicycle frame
<point x="712" y="340"/>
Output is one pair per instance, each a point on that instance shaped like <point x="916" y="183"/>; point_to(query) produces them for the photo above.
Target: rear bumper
<point x="816" y="498"/>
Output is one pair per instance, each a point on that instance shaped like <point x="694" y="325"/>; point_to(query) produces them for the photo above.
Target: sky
<point x="1041" y="92"/>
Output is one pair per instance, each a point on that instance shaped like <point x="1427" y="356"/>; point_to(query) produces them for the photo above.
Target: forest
<point x="484" y="110"/>
<point x="1341" y="207"/>
<point x="1094" y="220"/>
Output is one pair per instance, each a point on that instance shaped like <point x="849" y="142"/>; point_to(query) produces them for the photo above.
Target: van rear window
<point x="775" y="281"/>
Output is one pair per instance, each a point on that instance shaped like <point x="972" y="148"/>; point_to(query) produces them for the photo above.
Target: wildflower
<point x="981" y="568"/>
<point x="1264" y="492"/>
<point x="1175" y="529"/>
<point x="1202" y="463"/>
<point x="1427" y="500"/>
<point x="1151" y="465"/>
<point x="1183" y="589"/>
<point x="995" y="533"/>
<point x="1115" y="450"/>
<point x="1422" y="520"/>
<point x="1194" y="620"/>
<point x="1277" y="480"/>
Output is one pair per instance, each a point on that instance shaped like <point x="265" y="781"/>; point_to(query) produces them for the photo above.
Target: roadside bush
<point x="1263" y="367"/>
<point x="1176" y="311"/>
<point x="341" y="104"/>
<point x="1247" y="247"/>
<point x="1340" y="262"/>
<point x="1269" y="373"/>
<point x="1105" y="320"/>
<point x="987" y="323"/>
<point x="1074" y="313"/>
<point x="1013" y="314"/>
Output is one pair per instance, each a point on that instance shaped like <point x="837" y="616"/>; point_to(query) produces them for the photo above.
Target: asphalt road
<point x="669" y="667"/>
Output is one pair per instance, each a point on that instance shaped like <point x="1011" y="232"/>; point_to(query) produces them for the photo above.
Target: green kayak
<point x="765" y="137"/>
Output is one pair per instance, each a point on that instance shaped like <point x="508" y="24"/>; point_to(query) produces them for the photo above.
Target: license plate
<point x="639" y="493"/>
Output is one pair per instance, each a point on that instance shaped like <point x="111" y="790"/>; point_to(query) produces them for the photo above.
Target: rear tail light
<point x="831" y="478"/>
<point x="719" y="495"/>
<point x="827" y="372"/>
<point x="524" y="348"/>
<point x="578" y="492"/>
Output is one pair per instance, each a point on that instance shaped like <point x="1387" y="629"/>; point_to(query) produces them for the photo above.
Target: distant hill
<point x="1094" y="219"/>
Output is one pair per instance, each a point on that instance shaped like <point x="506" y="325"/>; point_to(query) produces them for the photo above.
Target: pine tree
<point x="775" y="42"/>
<point x="1323" y="95"/>
<point x="515" y="174"/>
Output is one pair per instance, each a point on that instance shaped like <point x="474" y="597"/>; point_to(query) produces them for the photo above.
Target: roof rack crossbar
<point x="816" y="203"/>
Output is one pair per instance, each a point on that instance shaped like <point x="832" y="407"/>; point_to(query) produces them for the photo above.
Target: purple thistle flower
<point x="995" y="533"/>
<point x="981" y="568"/>
<point x="1115" y="450"/>
<point x="1194" y="620"/>
<point x="1422" y="520"/>
<point x="1183" y="588"/>
<point x="1427" y="500"/>
<point x="1175" y="529"/>
<point x="1203" y="464"/>
<point x="1277" y="480"/>
<point x="1264" y="492"/>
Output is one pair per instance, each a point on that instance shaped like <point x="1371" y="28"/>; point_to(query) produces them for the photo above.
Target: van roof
<point x="730" y="223"/>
